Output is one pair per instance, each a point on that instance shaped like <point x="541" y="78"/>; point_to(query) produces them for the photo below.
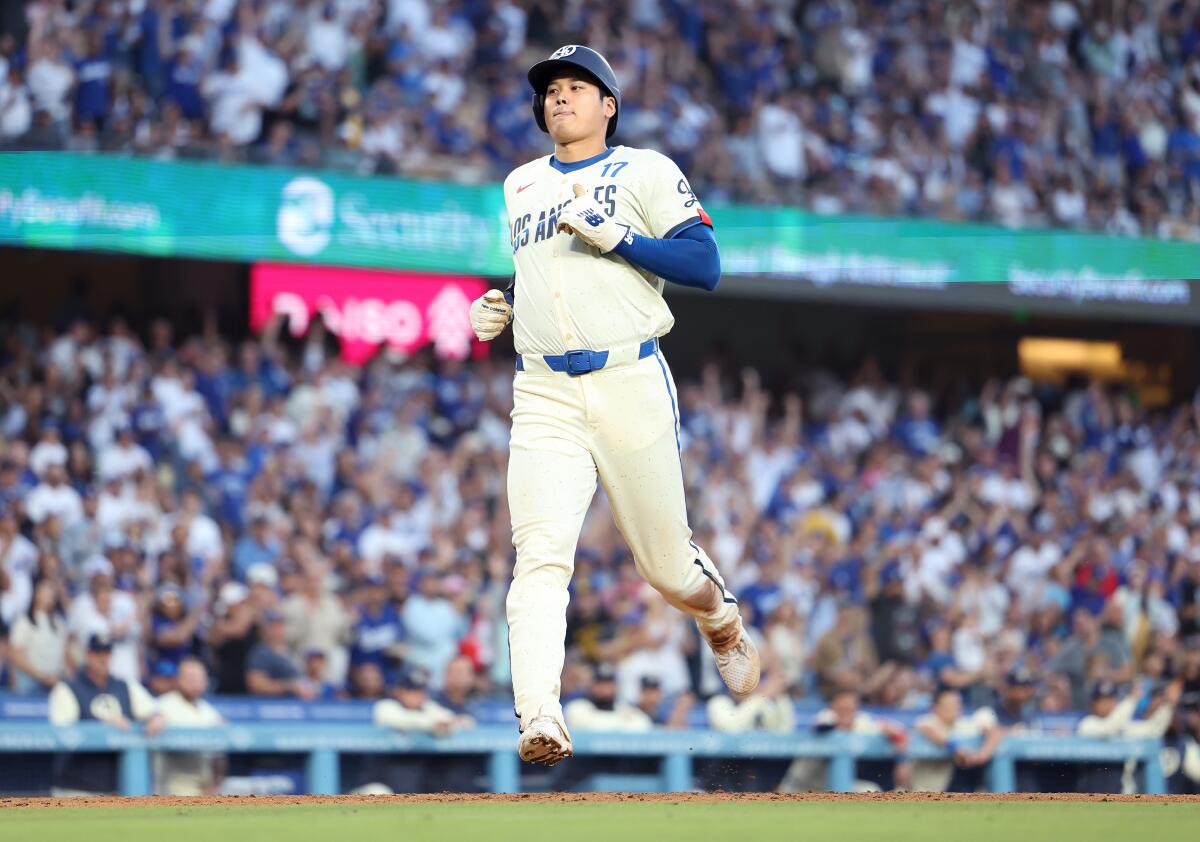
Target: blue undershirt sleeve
<point x="690" y="258"/>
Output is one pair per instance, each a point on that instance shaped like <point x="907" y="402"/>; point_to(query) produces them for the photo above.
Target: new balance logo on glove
<point x="597" y="230"/>
<point x="592" y="218"/>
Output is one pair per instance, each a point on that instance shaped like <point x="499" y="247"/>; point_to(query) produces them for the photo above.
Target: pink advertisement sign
<point x="366" y="308"/>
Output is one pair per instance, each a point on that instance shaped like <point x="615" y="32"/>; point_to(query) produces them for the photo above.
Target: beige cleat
<point x="545" y="741"/>
<point x="739" y="666"/>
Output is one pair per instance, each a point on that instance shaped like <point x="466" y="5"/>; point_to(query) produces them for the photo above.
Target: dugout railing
<point x="322" y="745"/>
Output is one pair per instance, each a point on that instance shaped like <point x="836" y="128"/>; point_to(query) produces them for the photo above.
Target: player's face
<point x="575" y="110"/>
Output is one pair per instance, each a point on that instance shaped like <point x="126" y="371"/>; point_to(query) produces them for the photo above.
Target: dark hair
<point x="943" y="689"/>
<point x="58" y="614"/>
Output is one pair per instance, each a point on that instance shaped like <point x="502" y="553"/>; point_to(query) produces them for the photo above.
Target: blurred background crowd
<point x="185" y="509"/>
<point x="1075" y="113"/>
<point x="309" y="530"/>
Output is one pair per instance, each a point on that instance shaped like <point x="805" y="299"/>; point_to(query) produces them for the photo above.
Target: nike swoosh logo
<point x="530" y="184"/>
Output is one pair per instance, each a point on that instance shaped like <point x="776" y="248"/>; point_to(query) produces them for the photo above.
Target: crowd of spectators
<point x="310" y="530"/>
<point x="1082" y="114"/>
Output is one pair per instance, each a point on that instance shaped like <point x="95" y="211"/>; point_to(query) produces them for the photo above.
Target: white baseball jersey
<point x="568" y="295"/>
<point x="617" y="425"/>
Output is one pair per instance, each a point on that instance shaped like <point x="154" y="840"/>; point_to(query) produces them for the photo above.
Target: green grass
<point x="730" y="821"/>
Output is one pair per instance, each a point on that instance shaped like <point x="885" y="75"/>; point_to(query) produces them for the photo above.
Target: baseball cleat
<point x="739" y="666"/>
<point x="544" y="741"/>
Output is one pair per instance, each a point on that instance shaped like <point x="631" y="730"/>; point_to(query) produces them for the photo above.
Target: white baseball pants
<point x="620" y="425"/>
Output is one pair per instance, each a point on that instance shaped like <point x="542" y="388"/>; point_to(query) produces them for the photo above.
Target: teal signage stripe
<point x="246" y="213"/>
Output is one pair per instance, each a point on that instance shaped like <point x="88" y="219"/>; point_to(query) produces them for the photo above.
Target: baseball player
<point x="595" y="232"/>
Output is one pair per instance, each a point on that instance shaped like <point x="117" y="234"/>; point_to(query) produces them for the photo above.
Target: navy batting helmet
<point x="572" y="59"/>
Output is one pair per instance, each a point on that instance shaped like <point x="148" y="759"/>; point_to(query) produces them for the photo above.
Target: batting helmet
<point x="572" y="59"/>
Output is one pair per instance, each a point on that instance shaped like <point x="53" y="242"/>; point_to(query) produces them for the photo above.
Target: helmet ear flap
<point x="539" y="110"/>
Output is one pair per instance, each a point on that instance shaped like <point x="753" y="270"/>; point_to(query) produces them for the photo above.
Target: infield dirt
<point x="572" y="797"/>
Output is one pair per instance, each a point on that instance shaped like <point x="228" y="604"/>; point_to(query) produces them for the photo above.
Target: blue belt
<point x="575" y="363"/>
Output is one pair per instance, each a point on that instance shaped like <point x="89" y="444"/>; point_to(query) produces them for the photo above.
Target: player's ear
<point x="610" y="106"/>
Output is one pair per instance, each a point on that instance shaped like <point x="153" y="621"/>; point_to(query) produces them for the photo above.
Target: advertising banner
<point x="366" y="308"/>
<point x="257" y="213"/>
<point x="248" y="213"/>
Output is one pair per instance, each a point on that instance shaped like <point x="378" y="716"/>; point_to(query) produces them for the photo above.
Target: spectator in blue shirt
<point x="938" y="665"/>
<point x="94" y="81"/>
<point x="149" y="422"/>
<point x="185" y="72"/>
<point x="314" y="671"/>
<point x="270" y="670"/>
<point x="378" y="633"/>
<point x="434" y="625"/>
<point x="1015" y="705"/>
<point x="172" y="635"/>
<point x="917" y="431"/>
<point x="257" y="546"/>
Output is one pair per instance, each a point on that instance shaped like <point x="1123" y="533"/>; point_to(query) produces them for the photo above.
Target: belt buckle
<point x="578" y="362"/>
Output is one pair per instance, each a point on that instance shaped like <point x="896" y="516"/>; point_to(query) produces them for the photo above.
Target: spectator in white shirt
<point x="410" y="15"/>
<point x="38" y="642"/>
<point x="843" y="716"/>
<point x="98" y="694"/>
<point x="234" y="111"/>
<point x="263" y="71"/>
<point x="410" y="708"/>
<point x="16" y="109"/>
<point x="769" y="709"/>
<point x="445" y="38"/>
<point x="204" y="536"/>
<point x="116" y="507"/>
<point x="947" y="727"/>
<point x="1112" y="716"/>
<point x="317" y="619"/>
<point x="189" y="773"/>
<point x="81" y="538"/>
<point x="959" y="112"/>
<point x="659" y="650"/>
<point x="384" y="136"/>
<point x="50" y="78"/>
<point x="1068" y="203"/>
<point x="15" y="593"/>
<point x="328" y="40"/>
<point x="49" y="450"/>
<point x="18" y="564"/>
<point x="781" y="140"/>
<point x="1012" y="202"/>
<point x="601" y="710"/>
<point x="52" y="497"/>
<point x="123" y="457"/>
<point x="104" y="610"/>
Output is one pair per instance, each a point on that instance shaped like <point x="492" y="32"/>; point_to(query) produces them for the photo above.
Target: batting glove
<point x="583" y="216"/>
<point x="490" y="314"/>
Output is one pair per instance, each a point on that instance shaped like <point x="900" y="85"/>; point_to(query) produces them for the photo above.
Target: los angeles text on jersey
<point x="547" y="220"/>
